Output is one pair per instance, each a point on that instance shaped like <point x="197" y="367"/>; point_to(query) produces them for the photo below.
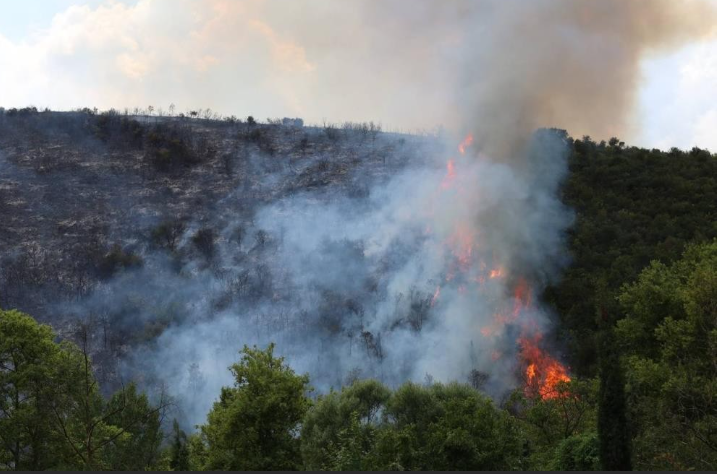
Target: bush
<point x="204" y="240"/>
<point x="117" y="260"/>
<point x="578" y="453"/>
<point x="167" y="149"/>
<point x="167" y="234"/>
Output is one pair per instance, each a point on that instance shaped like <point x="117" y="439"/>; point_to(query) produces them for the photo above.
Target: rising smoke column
<point x="496" y="68"/>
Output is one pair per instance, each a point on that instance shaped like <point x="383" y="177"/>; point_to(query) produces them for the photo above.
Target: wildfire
<point x="468" y="141"/>
<point x="530" y="373"/>
<point x="522" y="297"/>
<point x="496" y="273"/>
<point x="542" y="372"/>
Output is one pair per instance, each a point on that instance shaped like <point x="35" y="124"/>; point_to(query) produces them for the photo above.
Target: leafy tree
<point x="197" y="452"/>
<point x="546" y="423"/>
<point x="340" y="428"/>
<point x="254" y="425"/>
<point x="28" y="359"/>
<point x="52" y="415"/>
<point x="138" y="447"/>
<point x="179" y="449"/>
<point x="445" y="427"/>
<point x="671" y="384"/>
<point x="578" y="453"/>
<point x="632" y="206"/>
<point x="100" y="434"/>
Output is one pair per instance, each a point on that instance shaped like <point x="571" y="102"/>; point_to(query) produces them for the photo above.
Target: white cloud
<point x="705" y="130"/>
<point x="214" y="53"/>
<point x="679" y="99"/>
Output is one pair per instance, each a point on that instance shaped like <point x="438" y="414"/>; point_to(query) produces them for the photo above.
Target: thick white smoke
<point x="416" y="279"/>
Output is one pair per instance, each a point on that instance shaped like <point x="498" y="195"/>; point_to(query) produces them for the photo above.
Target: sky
<point x="253" y="57"/>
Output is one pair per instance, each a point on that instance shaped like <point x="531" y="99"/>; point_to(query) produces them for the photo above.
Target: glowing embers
<point x="450" y="177"/>
<point x="496" y="273"/>
<point x="543" y="374"/>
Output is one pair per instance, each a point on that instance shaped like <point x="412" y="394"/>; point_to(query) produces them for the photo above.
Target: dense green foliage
<point x="254" y="425"/>
<point x="632" y="206"/>
<point x="435" y="427"/>
<point x="669" y="340"/>
<point x="52" y="415"/>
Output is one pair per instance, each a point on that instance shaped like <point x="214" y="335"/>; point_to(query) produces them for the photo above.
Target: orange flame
<point x="496" y="273"/>
<point x="530" y="373"/>
<point x="542" y="372"/>
<point x="468" y="141"/>
<point x="522" y="297"/>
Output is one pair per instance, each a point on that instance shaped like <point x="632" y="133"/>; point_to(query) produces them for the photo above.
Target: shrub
<point x="117" y="260"/>
<point x="204" y="240"/>
<point x="167" y="234"/>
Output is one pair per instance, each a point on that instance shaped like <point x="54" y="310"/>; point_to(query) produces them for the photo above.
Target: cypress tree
<point x="613" y="426"/>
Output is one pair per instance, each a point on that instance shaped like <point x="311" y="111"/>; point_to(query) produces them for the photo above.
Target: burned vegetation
<point x="100" y="209"/>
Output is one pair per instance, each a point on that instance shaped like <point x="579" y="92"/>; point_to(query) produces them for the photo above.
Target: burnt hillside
<point x="88" y="198"/>
<point x="81" y="193"/>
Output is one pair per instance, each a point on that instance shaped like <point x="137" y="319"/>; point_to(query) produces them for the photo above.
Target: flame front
<point x="542" y="373"/>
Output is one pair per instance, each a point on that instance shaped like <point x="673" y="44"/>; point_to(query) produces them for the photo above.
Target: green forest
<point x="637" y="308"/>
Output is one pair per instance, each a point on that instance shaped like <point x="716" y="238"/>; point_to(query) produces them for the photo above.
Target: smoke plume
<point x="499" y="69"/>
